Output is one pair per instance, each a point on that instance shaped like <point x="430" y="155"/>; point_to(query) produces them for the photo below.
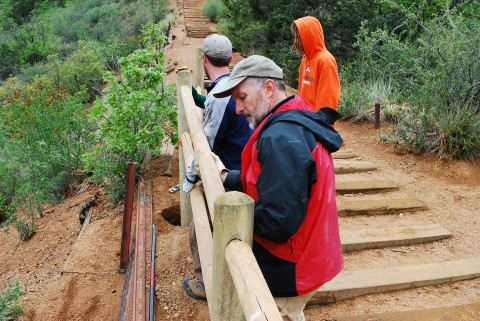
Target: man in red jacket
<point x="287" y="169"/>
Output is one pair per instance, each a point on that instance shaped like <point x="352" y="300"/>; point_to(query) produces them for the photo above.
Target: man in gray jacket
<point x="226" y="132"/>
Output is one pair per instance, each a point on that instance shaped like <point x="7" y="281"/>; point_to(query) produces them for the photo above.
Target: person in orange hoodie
<point x="318" y="81"/>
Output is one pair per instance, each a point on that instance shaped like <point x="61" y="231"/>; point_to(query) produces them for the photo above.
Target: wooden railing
<point x="234" y="284"/>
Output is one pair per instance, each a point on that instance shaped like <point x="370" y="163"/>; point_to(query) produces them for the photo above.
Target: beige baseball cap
<point x="253" y="66"/>
<point x="217" y="46"/>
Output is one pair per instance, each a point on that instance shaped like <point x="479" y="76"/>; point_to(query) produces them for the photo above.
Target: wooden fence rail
<point x="234" y="284"/>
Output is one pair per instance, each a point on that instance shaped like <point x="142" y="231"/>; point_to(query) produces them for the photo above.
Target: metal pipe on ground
<point x="152" y="276"/>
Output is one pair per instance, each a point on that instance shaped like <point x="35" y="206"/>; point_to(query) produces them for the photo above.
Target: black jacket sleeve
<point x="233" y="181"/>
<point x="284" y="184"/>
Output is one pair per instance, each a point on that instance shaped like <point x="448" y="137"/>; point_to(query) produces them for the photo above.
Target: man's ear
<point x="205" y="59"/>
<point x="269" y="87"/>
<point x="230" y="60"/>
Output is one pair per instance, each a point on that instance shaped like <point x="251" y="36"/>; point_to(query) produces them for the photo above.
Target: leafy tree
<point x="137" y="112"/>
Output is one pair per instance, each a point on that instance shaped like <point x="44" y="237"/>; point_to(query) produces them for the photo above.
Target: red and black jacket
<point x="288" y="170"/>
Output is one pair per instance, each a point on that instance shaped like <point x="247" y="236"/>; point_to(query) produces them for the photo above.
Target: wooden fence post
<point x="377" y="116"/>
<point x="199" y="78"/>
<point x="233" y="220"/>
<point x="184" y="78"/>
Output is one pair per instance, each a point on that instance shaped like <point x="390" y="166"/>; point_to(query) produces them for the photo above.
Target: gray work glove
<point x="191" y="177"/>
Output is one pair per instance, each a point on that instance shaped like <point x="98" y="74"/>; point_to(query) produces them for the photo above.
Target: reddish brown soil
<point x="91" y="287"/>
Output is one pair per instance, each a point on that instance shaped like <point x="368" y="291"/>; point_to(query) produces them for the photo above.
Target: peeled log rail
<point x="349" y="284"/>
<point x="379" y="206"/>
<point x="202" y="224"/>
<point x="184" y="78"/>
<point x="252" y="290"/>
<point x="391" y="236"/>
<point x="210" y="177"/>
<point x="365" y="186"/>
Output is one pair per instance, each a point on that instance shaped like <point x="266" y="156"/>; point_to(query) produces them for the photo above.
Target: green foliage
<point x="142" y="12"/>
<point x="24" y="45"/>
<point x="263" y="27"/>
<point x="447" y="132"/>
<point x="434" y="69"/>
<point x="359" y="98"/>
<point x="97" y="20"/>
<point x="10" y="308"/>
<point x="137" y="112"/>
<point x="46" y="28"/>
<point x="45" y="133"/>
<point x="212" y="9"/>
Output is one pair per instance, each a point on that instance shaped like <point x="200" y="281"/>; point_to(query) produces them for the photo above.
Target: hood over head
<point x="311" y="33"/>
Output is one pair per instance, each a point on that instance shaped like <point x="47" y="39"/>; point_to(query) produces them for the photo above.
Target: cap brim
<point x="226" y="90"/>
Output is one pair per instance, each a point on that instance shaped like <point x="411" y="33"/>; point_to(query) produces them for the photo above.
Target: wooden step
<point x="470" y="311"/>
<point x="391" y="236"/>
<point x="349" y="284"/>
<point x="346" y="167"/>
<point x="379" y="206"/>
<point x="365" y="186"/>
<point x="343" y="155"/>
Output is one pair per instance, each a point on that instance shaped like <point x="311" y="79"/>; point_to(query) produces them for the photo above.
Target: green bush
<point x="359" y="98"/>
<point x="10" y="308"/>
<point x="24" y="45"/>
<point x="143" y="12"/>
<point x="212" y="10"/>
<point x="46" y="132"/>
<point x="447" y="132"/>
<point x="434" y="70"/>
<point x="97" y="20"/>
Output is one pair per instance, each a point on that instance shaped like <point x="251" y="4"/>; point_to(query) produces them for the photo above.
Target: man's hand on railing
<point x="222" y="170"/>
<point x="191" y="177"/>
<point x="198" y="98"/>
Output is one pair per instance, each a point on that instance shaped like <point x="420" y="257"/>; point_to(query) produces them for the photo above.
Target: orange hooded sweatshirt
<point x="318" y="82"/>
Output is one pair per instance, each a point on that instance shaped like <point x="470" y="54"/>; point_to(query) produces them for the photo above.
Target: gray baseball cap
<point x="217" y="46"/>
<point x="253" y="66"/>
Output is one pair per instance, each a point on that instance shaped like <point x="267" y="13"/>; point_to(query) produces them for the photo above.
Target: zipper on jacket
<point x="291" y="246"/>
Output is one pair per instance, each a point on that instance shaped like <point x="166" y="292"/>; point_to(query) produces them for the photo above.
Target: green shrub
<point x="447" y="132"/>
<point x="46" y="132"/>
<point x="355" y="103"/>
<point x="143" y="12"/>
<point x="358" y="100"/>
<point x="213" y="9"/>
<point x="434" y="70"/>
<point x="97" y="20"/>
<point x="10" y="308"/>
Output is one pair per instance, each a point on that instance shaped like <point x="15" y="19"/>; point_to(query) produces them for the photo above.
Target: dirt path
<point x="91" y="288"/>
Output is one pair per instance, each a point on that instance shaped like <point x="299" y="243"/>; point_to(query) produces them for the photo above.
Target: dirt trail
<point x="91" y="288"/>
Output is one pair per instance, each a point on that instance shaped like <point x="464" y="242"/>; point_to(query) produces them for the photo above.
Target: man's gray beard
<point x="260" y="113"/>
